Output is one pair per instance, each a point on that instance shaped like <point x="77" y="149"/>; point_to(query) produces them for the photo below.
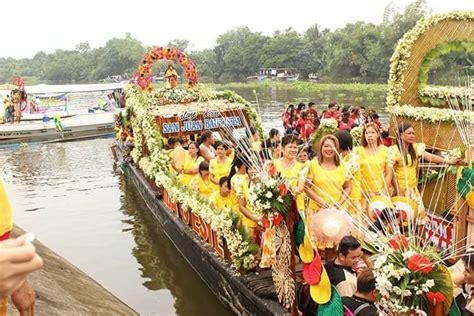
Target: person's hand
<point x="17" y="259"/>
<point x="24" y="299"/>
<point x="456" y="161"/>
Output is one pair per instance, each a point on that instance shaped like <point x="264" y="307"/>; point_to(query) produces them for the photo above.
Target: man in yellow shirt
<point x="222" y="199"/>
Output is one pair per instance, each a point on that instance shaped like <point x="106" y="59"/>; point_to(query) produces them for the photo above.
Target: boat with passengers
<point x="52" y="113"/>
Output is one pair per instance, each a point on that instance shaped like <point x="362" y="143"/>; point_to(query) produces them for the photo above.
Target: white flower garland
<point x="399" y="60"/>
<point x="443" y="92"/>
<point x="433" y="115"/>
<point x="144" y="107"/>
<point x="220" y="220"/>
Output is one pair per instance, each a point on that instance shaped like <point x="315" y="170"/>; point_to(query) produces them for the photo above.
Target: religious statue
<point x="171" y="77"/>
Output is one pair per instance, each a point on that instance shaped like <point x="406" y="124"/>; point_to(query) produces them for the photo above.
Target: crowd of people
<point x="304" y="119"/>
<point x="334" y="174"/>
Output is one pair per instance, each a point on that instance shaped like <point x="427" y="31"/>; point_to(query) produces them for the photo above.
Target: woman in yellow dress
<point x="352" y="162"/>
<point x="201" y="182"/>
<point x="288" y="166"/>
<point x="330" y="183"/>
<point x="376" y="163"/>
<point x="220" y="166"/>
<point x="407" y="154"/>
<point x="222" y="199"/>
<point x="239" y="185"/>
<point x="191" y="164"/>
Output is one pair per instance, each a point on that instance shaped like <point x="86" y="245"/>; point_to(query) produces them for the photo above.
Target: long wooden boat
<point x="243" y="294"/>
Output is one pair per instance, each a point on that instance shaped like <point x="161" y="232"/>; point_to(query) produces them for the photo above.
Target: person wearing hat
<point x="341" y="270"/>
<point x="362" y="302"/>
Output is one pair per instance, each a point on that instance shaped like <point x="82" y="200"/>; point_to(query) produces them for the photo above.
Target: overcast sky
<point x="30" y="26"/>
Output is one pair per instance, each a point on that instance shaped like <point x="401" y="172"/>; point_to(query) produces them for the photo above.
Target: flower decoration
<point x="143" y="75"/>
<point x="269" y="195"/>
<point x="419" y="263"/>
<point x="398" y="242"/>
<point x="406" y="273"/>
<point x="143" y="108"/>
<point x="435" y="297"/>
<point x="327" y="126"/>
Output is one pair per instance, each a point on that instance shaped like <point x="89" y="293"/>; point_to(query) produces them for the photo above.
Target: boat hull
<point x="230" y="288"/>
<point x="77" y="127"/>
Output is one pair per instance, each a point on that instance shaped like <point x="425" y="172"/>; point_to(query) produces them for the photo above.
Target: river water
<point x="72" y="199"/>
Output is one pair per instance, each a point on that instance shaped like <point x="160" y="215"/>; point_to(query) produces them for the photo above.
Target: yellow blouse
<point x="219" y="170"/>
<point x="372" y="167"/>
<point x="240" y="189"/>
<point x="221" y="202"/>
<point x="295" y="174"/>
<point x="204" y="188"/>
<point x="353" y="166"/>
<point x="189" y="164"/>
<point x="327" y="184"/>
<point x="407" y="175"/>
<point x="6" y="222"/>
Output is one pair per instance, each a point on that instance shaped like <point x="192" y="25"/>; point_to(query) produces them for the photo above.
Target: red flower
<point x="277" y="218"/>
<point x="272" y="170"/>
<point x="419" y="263"/>
<point x="283" y="189"/>
<point x="435" y="297"/>
<point x="398" y="242"/>
<point x="265" y="222"/>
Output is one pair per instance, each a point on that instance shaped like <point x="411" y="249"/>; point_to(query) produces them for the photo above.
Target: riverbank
<point x="63" y="289"/>
<point x="304" y="86"/>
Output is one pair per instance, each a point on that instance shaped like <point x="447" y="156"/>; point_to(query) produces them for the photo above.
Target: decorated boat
<point x="410" y="272"/>
<point x="210" y="240"/>
<point x="62" y="112"/>
<point x="442" y="118"/>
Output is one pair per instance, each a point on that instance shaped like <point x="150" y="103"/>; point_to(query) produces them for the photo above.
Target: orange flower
<point x="398" y="241"/>
<point x="419" y="263"/>
<point x="283" y="189"/>
<point x="435" y="297"/>
<point x="272" y="171"/>
<point x="277" y="218"/>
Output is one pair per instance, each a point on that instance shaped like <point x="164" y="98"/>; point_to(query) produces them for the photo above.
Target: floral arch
<point x="408" y="97"/>
<point x="410" y="53"/>
<point x="143" y="75"/>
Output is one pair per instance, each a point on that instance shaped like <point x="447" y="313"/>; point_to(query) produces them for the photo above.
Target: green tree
<point x="238" y="52"/>
<point x="119" y="56"/>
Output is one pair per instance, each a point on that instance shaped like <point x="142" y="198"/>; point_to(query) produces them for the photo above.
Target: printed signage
<point x="439" y="231"/>
<point x="196" y="122"/>
<point x="197" y="224"/>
